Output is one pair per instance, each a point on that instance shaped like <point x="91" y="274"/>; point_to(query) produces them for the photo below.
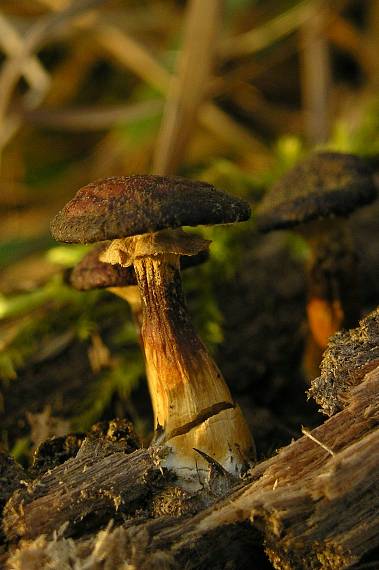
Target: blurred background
<point x="233" y="92"/>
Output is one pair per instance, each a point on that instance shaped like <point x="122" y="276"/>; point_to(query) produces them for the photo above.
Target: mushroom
<point x="144" y="215"/>
<point x="310" y="198"/>
<point x="91" y="273"/>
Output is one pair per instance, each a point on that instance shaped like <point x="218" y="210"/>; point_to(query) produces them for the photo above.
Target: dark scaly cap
<point x="91" y="273"/>
<point x="325" y="185"/>
<point x="124" y="206"/>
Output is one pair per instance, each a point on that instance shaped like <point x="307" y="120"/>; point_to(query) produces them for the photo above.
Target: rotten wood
<point x="317" y="509"/>
<point x="97" y="483"/>
<point x="350" y="355"/>
<point x="316" y="505"/>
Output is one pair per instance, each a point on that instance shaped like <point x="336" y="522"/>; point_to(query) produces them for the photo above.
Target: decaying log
<point x="316" y="508"/>
<point x="124" y="547"/>
<point x="90" y="485"/>
<point x="55" y="479"/>
<point x="350" y="355"/>
<point x="316" y="502"/>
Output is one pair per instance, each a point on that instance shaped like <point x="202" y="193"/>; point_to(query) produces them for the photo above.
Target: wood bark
<point x="316" y="502"/>
<point x="316" y="508"/>
<point x="96" y="483"/>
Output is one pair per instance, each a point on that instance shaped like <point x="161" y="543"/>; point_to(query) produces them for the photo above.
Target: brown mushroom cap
<point x="91" y="273"/>
<point x="325" y="185"/>
<point x="132" y="205"/>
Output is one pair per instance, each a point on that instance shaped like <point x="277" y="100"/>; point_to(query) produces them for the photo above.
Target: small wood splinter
<point x="308" y="434"/>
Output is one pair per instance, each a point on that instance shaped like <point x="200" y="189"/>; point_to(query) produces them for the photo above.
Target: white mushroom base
<point x="217" y="437"/>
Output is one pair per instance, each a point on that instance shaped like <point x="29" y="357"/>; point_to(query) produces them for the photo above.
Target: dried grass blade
<point x="136" y="58"/>
<point x="12" y="44"/>
<point x="316" y="74"/>
<point x="95" y="118"/>
<point x="188" y="86"/>
<point x="263" y="36"/>
<point x="133" y="56"/>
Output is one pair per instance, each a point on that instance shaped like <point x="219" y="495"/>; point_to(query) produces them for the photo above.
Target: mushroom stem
<point x="187" y="380"/>
<point x="132" y="296"/>
<point x="188" y="391"/>
<point x="193" y="407"/>
<point x="332" y="290"/>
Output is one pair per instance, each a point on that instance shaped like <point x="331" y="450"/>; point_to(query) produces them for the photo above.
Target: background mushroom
<point x="91" y="273"/>
<point x="192" y="404"/>
<point x="310" y="198"/>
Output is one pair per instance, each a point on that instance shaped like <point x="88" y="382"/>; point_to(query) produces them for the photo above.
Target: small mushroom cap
<point x="188" y="261"/>
<point x="325" y="185"/>
<point x="124" y="206"/>
<point x="91" y="273"/>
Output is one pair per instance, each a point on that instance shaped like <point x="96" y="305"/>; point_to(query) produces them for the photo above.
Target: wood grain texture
<point x="311" y="508"/>
<point x="90" y="484"/>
